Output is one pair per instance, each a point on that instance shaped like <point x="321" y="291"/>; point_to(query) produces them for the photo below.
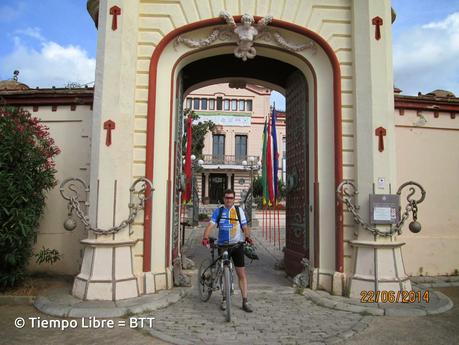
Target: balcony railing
<point x="227" y="159"/>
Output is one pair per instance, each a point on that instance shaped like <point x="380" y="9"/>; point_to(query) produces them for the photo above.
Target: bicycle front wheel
<point x="205" y="280"/>
<point x="227" y="291"/>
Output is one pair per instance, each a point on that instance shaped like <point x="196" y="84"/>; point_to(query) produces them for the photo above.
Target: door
<point x="297" y="215"/>
<point x="217" y="187"/>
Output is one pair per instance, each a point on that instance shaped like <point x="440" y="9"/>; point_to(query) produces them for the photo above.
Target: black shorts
<point x="236" y="254"/>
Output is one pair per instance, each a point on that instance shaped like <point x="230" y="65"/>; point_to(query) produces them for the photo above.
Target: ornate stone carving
<point x="245" y="34"/>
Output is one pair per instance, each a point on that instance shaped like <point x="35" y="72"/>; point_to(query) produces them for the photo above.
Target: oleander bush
<point x="26" y="173"/>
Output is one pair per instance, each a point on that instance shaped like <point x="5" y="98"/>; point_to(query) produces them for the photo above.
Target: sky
<point x="53" y="43"/>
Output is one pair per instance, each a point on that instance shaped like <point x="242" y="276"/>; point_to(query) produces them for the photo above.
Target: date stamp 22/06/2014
<point x="390" y="296"/>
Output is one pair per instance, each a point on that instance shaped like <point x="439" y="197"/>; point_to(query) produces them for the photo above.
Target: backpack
<point x="220" y="212"/>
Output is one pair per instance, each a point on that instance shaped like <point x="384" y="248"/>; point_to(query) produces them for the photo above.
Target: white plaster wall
<point x="71" y="131"/>
<point x="428" y="154"/>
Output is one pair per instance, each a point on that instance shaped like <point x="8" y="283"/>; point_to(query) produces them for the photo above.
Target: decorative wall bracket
<point x="115" y="11"/>
<point x="377" y="21"/>
<point x="380" y="132"/>
<point x="109" y="125"/>
<point x="245" y="34"/>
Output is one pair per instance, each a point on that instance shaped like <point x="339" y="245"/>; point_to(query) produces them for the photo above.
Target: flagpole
<point x="269" y="224"/>
<point x="266" y="222"/>
<point x="278" y="223"/>
<point x="263" y="220"/>
<point x="274" y="211"/>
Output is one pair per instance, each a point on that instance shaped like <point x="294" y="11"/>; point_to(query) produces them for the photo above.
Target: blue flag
<point x="275" y="154"/>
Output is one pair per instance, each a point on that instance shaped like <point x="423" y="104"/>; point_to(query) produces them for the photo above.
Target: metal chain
<point x="133" y="210"/>
<point x="74" y="204"/>
<point x="344" y="195"/>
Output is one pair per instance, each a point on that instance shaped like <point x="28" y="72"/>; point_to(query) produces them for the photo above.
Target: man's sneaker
<point x="246" y="308"/>
<point x="223" y="304"/>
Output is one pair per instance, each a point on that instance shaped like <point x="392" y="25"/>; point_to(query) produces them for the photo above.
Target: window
<point x="226" y="104"/>
<point x="219" y="103"/>
<point x="204" y="103"/>
<point x="211" y="104"/>
<point x="218" y="148"/>
<point x="241" y="105"/>
<point x="196" y="103"/>
<point x="248" y="105"/>
<point x="188" y="103"/>
<point x="234" y="104"/>
<point x="241" y="147"/>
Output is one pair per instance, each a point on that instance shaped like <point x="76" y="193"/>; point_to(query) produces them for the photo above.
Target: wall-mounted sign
<point x="384" y="208"/>
<point x="226" y="120"/>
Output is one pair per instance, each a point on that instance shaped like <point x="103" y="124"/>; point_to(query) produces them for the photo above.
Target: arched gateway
<point x="336" y="77"/>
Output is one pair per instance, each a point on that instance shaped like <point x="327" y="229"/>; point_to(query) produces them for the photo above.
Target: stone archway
<point x="321" y="71"/>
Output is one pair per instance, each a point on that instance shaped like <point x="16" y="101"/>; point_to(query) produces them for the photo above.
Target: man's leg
<point x="242" y="277"/>
<point x="238" y="259"/>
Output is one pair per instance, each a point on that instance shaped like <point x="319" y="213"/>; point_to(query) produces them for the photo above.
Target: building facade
<point x="232" y="151"/>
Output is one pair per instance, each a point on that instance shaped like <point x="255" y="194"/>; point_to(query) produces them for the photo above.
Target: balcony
<point x="228" y="160"/>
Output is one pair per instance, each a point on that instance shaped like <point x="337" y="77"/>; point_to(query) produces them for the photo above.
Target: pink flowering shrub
<point x="26" y="172"/>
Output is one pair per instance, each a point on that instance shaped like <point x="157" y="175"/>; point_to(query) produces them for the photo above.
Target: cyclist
<point x="230" y="232"/>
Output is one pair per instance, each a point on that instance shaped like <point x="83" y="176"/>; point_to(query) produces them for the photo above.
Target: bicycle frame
<point x="220" y="262"/>
<point x="221" y="275"/>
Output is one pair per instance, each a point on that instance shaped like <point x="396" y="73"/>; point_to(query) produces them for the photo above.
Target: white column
<point x="378" y="263"/>
<point x="206" y="182"/>
<point x="228" y="180"/>
<point x="107" y="270"/>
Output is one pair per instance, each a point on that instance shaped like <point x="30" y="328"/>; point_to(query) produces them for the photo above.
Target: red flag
<point x="186" y="195"/>
<point x="269" y="166"/>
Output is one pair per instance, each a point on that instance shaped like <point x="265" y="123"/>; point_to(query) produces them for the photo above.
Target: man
<point x="230" y="232"/>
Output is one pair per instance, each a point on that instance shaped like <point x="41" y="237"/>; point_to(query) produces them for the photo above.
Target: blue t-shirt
<point x="229" y="230"/>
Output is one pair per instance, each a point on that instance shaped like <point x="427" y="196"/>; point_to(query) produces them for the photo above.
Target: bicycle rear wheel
<point x="227" y="291"/>
<point x="205" y="277"/>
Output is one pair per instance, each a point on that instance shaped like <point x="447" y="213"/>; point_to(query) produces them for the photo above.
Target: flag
<point x="186" y="194"/>
<point x="263" y="166"/>
<point x="275" y="154"/>
<point x="269" y="166"/>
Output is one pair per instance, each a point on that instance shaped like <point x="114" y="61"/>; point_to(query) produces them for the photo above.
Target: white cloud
<point x="31" y="32"/>
<point x="50" y="65"/>
<point x="426" y="57"/>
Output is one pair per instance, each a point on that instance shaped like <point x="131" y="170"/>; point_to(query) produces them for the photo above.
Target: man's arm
<point x="208" y="229"/>
<point x="245" y="225"/>
<point x="246" y="230"/>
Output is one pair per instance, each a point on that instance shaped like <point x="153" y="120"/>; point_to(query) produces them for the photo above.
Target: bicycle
<point x="215" y="274"/>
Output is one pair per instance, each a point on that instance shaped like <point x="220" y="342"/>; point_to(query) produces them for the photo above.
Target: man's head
<point x="229" y="198"/>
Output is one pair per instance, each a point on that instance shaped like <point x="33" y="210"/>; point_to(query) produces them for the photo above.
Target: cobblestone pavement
<point x="281" y="316"/>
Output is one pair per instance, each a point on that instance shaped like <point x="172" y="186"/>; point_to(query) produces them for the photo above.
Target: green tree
<point x="199" y="131"/>
<point x="26" y="172"/>
<point x="258" y="188"/>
